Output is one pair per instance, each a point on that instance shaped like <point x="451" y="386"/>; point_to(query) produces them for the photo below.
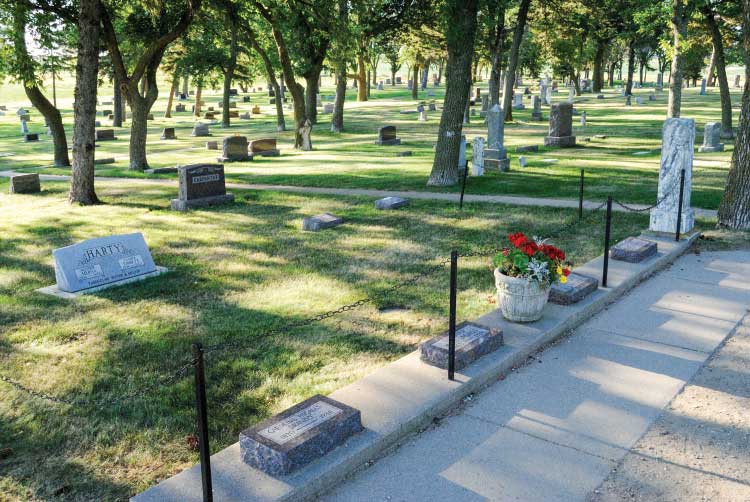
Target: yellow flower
<point x="559" y="270"/>
<point x="563" y="279"/>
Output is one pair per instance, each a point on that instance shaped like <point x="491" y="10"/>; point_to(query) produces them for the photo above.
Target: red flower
<point x="530" y="248"/>
<point x="518" y="239"/>
<point x="566" y="272"/>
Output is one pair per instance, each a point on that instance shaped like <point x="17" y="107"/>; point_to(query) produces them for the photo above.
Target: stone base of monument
<point x="501" y="165"/>
<point x="711" y="149"/>
<point x="389" y="142"/>
<point x="266" y="153"/>
<point x="299" y="435"/>
<point x="633" y="250"/>
<point x="215" y="200"/>
<point x="161" y="170"/>
<point x="472" y="342"/>
<point x="560" y="141"/>
<point x="55" y="291"/>
<point x="576" y="289"/>
<point x="321" y="222"/>
<point x="391" y="203"/>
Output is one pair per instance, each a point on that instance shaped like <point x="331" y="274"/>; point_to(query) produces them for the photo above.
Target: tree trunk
<point x="118" y="114"/>
<point x="393" y="78"/>
<point x="496" y="47"/>
<point x="631" y="68"/>
<point x="231" y="65"/>
<point x="271" y="74"/>
<point x="140" y="107"/>
<point x="198" y="97"/>
<point x="721" y="72"/>
<point x="311" y="96"/>
<point x="337" y="121"/>
<point x="172" y="91"/>
<point x="185" y="85"/>
<point x="279" y="103"/>
<point x="361" y="77"/>
<point x="462" y="22"/>
<point x="679" y="34"/>
<point x="415" y="81"/>
<point x="441" y="65"/>
<point x="523" y="12"/>
<point x="611" y="79"/>
<point x="84" y="109"/>
<point x="711" y="67"/>
<point x="601" y="47"/>
<point x="302" y="125"/>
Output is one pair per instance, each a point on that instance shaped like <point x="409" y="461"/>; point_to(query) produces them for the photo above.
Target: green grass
<point x="352" y="160"/>
<point x="236" y="271"/>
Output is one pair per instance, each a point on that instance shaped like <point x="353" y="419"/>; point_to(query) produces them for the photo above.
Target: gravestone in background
<point x="212" y="145"/>
<point x="321" y="222"/>
<point x="201" y="185"/>
<point x="328" y="108"/>
<point x="391" y="203"/>
<point x="536" y="113"/>
<point x="234" y="114"/>
<point x="485" y="106"/>
<point x="299" y="435"/>
<point x="477" y="156"/>
<point x="100" y="263"/>
<point x="245" y="116"/>
<point x="712" y="138"/>
<point x="256" y="110"/>
<point x="678" y="138"/>
<point x="200" y="130"/>
<point x="737" y="80"/>
<point x="168" y="133"/>
<point x="235" y="149"/>
<point x="472" y="342"/>
<point x="105" y="135"/>
<point x="560" y="126"/>
<point x="518" y="102"/>
<point x="209" y="116"/>
<point x="32" y="136"/>
<point x="398" y="80"/>
<point x="25" y="183"/>
<point x="265" y="147"/>
<point x="387" y="136"/>
<point x="703" y="87"/>
<point x="179" y="108"/>
<point x="495" y="155"/>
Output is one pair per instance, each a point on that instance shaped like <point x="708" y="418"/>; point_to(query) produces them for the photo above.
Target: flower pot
<point x="520" y="299"/>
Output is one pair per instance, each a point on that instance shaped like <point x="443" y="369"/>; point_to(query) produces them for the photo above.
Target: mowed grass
<point x="236" y="272"/>
<point x="625" y="164"/>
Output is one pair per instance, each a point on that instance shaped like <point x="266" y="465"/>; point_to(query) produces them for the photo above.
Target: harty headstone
<point x="387" y="136"/>
<point x="201" y="185"/>
<point x="96" y="264"/>
<point x="321" y="222"/>
<point x="543" y="94"/>
<point x="105" y="135"/>
<point x="678" y="139"/>
<point x="234" y="149"/>
<point x="472" y="342"/>
<point x="477" y="157"/>
<point x="25" y="183"/>
<point x="391" y="203"/>
<point x="633" y="250"/>
<point x="299" y="435"/>
<point x="560" y="126"/>
<point x="712" y="138"/>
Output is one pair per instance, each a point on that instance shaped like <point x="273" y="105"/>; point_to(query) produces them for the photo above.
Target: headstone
<point x="391" y="203"/>
<point x="150" y="116"/>
<point x="24" y="127"/>
<point x="518" y="102"/>
<point x="212" y="145"/>
<point x="431" y="106"/>
<point x="25" y="183"/>
<point x="163" y="170"/>
<point x="627" y="100"/>
<point x="105" y="135"/>
<point x="25" y="117"/>
<point x="600" y="96"/>
<point x="387" y="136"/>
<point x="462" y="154"/>
<point x="405" y="153"/>
<point x="328" y="108"/>
<point x="3" y="108"/>
<point x="678" y="138"/>
<point x="96" y="264"/>
<point x="527" y="148"/>
<point x="209" y="116"/>
<point x="536" y="113"/>
<point x="422" y="114"/>
<point x="299" y="435"/>
<point x="106" y="113"/>
<point x="272" y="101"/>
<point x="21" y="112"/>
<point x="264" y="148"/>
<point x="478" y="93"/>
<point x="560" y="126"/>
<point x="638" y="100"/>
<point x="430" y="93"/>
<point x="583" y="119"/>
<point x="571" y="94"/>
<point x="652" y="97"/>
<point x="321" y="222"/>
<point x="712" y="138"/>
<point x="380" y="86"/>
<point x="200" y="130"/>
<point x="577" y="288"/>
<point x="168" y="133"/>
<point x="496" y="157"/>
<point x="245" y="116"/>
<point x="245" y="99"/>
<point x="659" y="81"/>
<point x="543" y="94"/>
<point x="271" y="93"/>
<point x="472" y="342"/>
<point x="477" y="157"/>
<point x="549" y="96"/>
<point x="179" y="108"/>
<point x="485" y="106"/>
<point x="234" y="149"/>
<point x="233" y="92"/>
<point x="256" y="110"/>
<point x="105" y="160"/>
<point x="633" y="250"/>
<point x="201" y="185"/>
<point x="398" y="80"/>
<point x="234" y="114"/>
<point x="703" y="87"/>
<point x="737" y="80"/>
<point x="410" y="84"/>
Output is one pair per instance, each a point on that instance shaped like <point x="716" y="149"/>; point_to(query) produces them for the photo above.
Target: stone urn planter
<point x="520" y="299"/>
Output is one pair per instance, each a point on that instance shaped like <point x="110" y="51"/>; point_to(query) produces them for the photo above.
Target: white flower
<point x="539" y="241"/>
<point x="538" y="270"/>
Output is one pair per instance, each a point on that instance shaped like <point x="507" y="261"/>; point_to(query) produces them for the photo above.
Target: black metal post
<point x="463" y="185"/>
<point x="679" y="206"/>
<point x="580" y="199"/>
<point x="452" y="318"/>
<point x="201" y="408"/>
<point x="607" y="230"/>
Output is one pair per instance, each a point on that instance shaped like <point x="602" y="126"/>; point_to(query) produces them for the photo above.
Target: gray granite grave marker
<point x="265" y="147"/>
<point x="712" y="138"/>
<point x="32" y="136"/>
<point x="536" y="113"/>
<point x="633" y="250"/>
<point x="472" y="342"/>
<point x="391" y="203"/>
<point x="577" y="288"/>
<point x="387" y="136"/>
<point x="235" y="149"/>
<point x="321" y="222"/>
<point x="168" y="133"/>
<point x="560" y="126"/>
<point x="105" y="135"/>
<point x="25" y="183"/>
<point x="201" y="185"/>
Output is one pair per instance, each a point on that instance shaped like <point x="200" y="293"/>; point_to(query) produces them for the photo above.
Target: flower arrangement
<point x="532" y="259"/>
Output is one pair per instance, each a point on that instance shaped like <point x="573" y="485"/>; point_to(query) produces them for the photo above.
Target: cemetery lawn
<point x="236" y="271"/>
<point x="625" y="164"/>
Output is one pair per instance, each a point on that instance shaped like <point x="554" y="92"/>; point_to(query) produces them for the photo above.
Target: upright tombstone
<point x="200" y="130"/>
<point x="168" y="133"/>
<point x="462" y="154"/>
<point x="638" y="100"/>
<point x="380" y="86"/>
<point x="583" y="119"/>
<point x="431" y="106"/>
<point x="328" y="108"/>
<point x="24" y="127"/>
<point x="571" y="94"/>
<point x="712" y="138"/>
<point x="256" y="110"/>
<point x="32" y="136"/>
<point x="179" y="108"/>
<point x="737" y="80"/>
<point x="387" y="136"/>
<point x="627" y="100"/>
<point x="549" y="96"/>
<point x="485" y="106"/>
<point x="100" y="263"/>
<point x="410" y="84"/>
<point x="518" y="102"/>
<point x="201" y="185"/>
<point x="25" y="183"/>
<point x="477" y="157"/>
<point x="536" y="113"/>
<point x="264" y="148"/>
<point x="543" y="94"/>
<point x="422" y="113"/>
<point x="659" y="81"/>
<point x="235" y="149"/>
<point x="678" y="138"/>
<point x="105" y="135"/>
<point x="703" y="87"/>
<point x="560" y="126"/>
<point x="496" y="156"/>
<point x="398" y="80"/>
<point x="478" y="93"/>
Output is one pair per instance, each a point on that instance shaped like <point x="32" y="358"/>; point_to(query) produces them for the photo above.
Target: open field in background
<point x="353" y="160"/>
<point x="236" y="271"/>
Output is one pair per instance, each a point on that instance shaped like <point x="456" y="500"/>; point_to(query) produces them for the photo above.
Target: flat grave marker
<point x="472" y="342"/>
<point x="391" y="203"/>
<point x="577" y="288"/>
<point x="321" y="222"/>
<point x="25" y="183"/>
<point x="633" y="250"/>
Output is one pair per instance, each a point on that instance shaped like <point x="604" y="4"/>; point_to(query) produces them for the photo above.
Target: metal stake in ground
<point x="580" y="199"/>
<point x="679" y="206"/>
<point x="452" y="317"/>
<point x="202" y="416"/>
<point x="607" y="229"/>
<point x="463" y="185"/>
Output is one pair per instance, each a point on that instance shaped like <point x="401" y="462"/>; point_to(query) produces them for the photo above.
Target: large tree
<point x="515" y="48"/>
<point x="680" y="18"/>
<point x="719" y="63"/>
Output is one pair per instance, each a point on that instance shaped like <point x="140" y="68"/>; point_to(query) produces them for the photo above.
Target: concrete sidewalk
<point x="360" y="192"/>
<point x="556" y="428"/>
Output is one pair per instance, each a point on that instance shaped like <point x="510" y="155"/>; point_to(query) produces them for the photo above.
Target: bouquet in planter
<point x="532" y="259"/>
